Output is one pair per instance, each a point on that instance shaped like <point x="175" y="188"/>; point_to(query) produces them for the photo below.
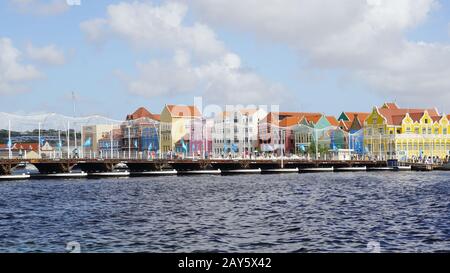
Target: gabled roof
<point x="141" y="112"/>
<point x="276" y="118"/>
<point x="183" y="111"/>
<point x="332" y="120"/>
<point x="396" y="116"/>
<point x="390" y="105"/>
<point x="360" y="115"/>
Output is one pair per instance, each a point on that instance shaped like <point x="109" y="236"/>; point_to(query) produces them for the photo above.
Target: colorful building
<point x="140" y="133"/>
<point x="236" y="131"/>
<point x="180" y="129"/>
<point x="352" y="123"/>
<point x="315" y="132"/>
<point x="402" y="133"/>
<point x="276" y="131"/>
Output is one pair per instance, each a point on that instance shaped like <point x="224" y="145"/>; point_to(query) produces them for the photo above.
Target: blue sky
<point x="273" y="60"/>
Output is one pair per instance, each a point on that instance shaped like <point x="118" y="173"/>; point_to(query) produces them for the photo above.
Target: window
<point x="426" y="121"/>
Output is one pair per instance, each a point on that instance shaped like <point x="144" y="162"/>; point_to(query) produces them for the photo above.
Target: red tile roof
<point x="396" y="116"/>
<point x="276" y="118"/>
<point x="142" y="113"/>
<point x="332" y="120"/>
<point x="361" y="116"/>
<point x="183" y="111"/>
<point x="390" y="105"/>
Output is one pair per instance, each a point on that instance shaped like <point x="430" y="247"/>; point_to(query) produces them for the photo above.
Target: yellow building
<point x="391" y="132"/>
<point x="177" y="122"/>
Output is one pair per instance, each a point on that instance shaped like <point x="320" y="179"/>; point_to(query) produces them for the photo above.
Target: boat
<point x="381" y="169"/>
<point x="196" y="172"/>
<point x="242" y="171"/>
<point x="15" y="177"/>
<point x="60" y="175"/>
<point x="404" y="168"/>
<point x="282" y="170"/>
<point x="154" y="173"/>
<point x="109" y="174"/>
<point x="351" y="169"/>
<point x="314" y="170"/>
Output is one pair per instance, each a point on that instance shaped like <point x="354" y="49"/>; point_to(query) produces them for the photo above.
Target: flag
<point x="234" y="147"/>
<point x="302" y="147"/>
<point x="42" y="141"/>
<point x="107" y="145"/>
<point x="183" y="145"/>
<point x="135" y="143"/>
<point x="334" y="147"/>
<point x="150" y="146"/>
<point x="88" y="142"/>
<point x="9" y="143"/>
<point x="193" y="147"/>
<point x="59" y="144"/>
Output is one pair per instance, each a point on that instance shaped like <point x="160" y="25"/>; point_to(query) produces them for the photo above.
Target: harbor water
<point x="316" y="212"/>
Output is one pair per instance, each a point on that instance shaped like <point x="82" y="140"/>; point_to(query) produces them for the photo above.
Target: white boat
<point x="351" y="169"/>
<point x="241" y="171"/>
<point x="109" y="174"/>
<point x="199" y="172"/>
<point x="15" y="177"/>
<point x="60" y="175"/>
<point x="381" y="169"/>
<point x="404" y="168"/>
<point x="154" y="173"/>
<point x="288" y="170"/>
<point x="314" y="170"/>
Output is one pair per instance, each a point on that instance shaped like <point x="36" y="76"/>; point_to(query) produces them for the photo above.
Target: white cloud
<point x="14" y="74"/>
<point x="48" y="55"/>
<point x="39" y="7"/>
<point x="366" y="38"/>
<point x="221" y="81"/>
<point x="201" y="62"/>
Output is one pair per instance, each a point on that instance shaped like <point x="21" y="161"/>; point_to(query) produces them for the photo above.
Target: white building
<point x="236" y="131"/>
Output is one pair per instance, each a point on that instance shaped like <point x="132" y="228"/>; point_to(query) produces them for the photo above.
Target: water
<point x="329" y="212"/>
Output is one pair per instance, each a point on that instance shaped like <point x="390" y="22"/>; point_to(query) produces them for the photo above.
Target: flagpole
<point x="129" y="142"/>
<point x="59" y="143"/>
<point x="111" y="137"/>
<point x="75" y="133"/>
<point x="9" y="140"/>
<point x="82" y="142"/>
<point x="39" y="139"/>
<point x="68" y="139"/>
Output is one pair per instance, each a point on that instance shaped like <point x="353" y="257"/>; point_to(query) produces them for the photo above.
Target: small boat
<point x="60" y="175"/>
<point x="109" y="174"/>
<point x="154" y="173"/>
<point x="317" y="170"/>
<point x="288" y="170"/>
<point x="378" y="169"/>
<point x="242" y="171"/>
<point x="351" y="169"/>
<point x="404" y="168"/>
<point x="15" y="177"/>
<point x="197" y="172"/>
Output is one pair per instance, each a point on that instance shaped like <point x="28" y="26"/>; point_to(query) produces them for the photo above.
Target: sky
<point x="303" y="55"/>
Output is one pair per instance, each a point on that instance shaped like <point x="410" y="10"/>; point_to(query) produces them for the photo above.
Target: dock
<point x="90" y="168"/>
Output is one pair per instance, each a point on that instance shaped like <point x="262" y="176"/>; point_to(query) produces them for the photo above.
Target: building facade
<point x="406" y="134"/>
<point x="140" y="134"/>
<point x="181" y="129"/>
<point x="236" y="131"/>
